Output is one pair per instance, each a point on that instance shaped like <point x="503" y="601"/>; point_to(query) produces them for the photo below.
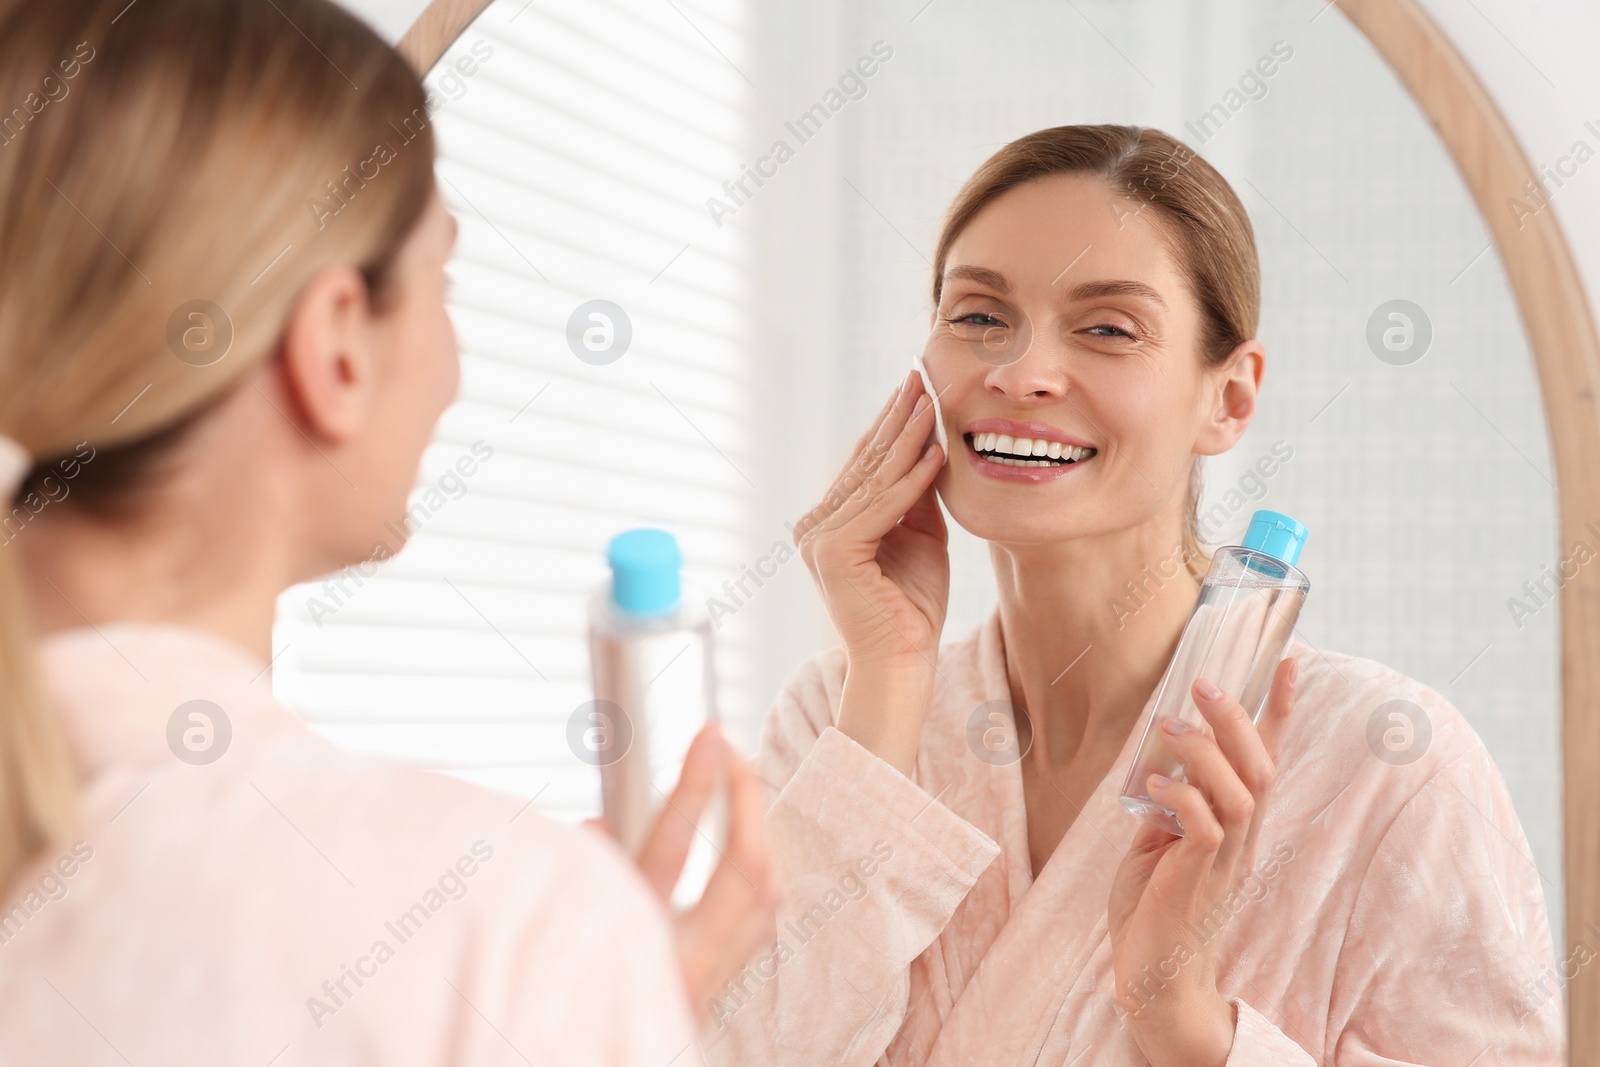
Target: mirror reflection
<point x="1165" y="268"/>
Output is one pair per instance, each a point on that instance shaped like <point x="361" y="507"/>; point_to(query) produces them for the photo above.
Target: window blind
<point x="578" y="144"/>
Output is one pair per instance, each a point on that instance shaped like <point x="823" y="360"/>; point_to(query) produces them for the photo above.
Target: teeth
<point x="1026" y="451"/>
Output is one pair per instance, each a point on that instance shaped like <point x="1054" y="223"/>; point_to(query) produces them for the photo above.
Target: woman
<point x="952" y="901"/>
<point x="223" y="347"/>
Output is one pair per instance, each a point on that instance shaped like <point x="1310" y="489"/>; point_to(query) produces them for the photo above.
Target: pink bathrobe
<point x="1394" y="917"/>
<point x="290" y="903"/>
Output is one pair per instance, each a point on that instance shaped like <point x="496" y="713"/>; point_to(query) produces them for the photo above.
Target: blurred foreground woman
<point x="223" y="348"/>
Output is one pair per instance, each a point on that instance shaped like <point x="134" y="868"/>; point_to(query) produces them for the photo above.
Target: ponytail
<point x="165" y="160"/>
<point x="37" y="791"/>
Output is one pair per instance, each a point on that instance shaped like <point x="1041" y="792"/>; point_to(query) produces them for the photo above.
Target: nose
<point x="1036" y="370"/>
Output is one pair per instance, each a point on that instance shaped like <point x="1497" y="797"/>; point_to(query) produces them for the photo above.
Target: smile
<point x="997" y="448"/>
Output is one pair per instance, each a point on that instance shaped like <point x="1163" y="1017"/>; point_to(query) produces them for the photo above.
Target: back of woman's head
<point x="172" y="173"/>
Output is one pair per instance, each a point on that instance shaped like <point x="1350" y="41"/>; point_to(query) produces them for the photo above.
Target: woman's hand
<point x="877" y="549"/>
<point x="1171" y="895"/>
<point x="737" y="913"/>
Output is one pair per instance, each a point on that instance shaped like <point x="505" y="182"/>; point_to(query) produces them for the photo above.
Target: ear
<point x="327" y="354"/>
<point x="1231" y="390"/>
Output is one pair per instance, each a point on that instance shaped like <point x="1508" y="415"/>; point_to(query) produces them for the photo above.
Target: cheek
<point x="422" y="378"/>
<point x="952" y="368"/>
<point x="1135" y="404"/>
<point x="433" y="363"/>
<point x="443" y="355"/>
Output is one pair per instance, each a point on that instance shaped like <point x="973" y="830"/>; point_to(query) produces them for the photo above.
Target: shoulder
<point x="1370" y="712"/>
<point x="810" y="694"/>
<point x="370" y="804"/>
<point x="544" y="920"/>
<point x="1369" y="748"/>
<point x="1405" y="845"/>
<point x="296" y="816"/>
<point x="808" y="701"/>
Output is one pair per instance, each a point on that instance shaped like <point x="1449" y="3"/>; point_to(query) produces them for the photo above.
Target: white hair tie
<point x="15" y="463"/>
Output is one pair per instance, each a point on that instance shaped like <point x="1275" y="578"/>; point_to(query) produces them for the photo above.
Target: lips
<point x="1024" y="452"/>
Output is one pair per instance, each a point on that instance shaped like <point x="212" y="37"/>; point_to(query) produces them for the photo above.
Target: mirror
<point x="695" y="250"/>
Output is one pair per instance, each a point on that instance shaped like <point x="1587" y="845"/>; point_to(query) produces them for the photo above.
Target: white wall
<point x="1537" y="61"/>
<point x="390" y="18"/>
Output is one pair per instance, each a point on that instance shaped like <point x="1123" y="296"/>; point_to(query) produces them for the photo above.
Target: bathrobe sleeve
<point x="1447" y="957"/>
<point x="873" y="868"/>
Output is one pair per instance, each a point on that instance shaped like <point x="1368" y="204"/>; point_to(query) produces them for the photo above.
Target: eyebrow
<point x="1090" y="290"/>
<point x="993" y="279"/>
<point x="983" y="276"/>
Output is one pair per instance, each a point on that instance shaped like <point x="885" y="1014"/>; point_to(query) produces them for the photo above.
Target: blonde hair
<point x="155" y="159"/>
<point x="1206" y="226"/>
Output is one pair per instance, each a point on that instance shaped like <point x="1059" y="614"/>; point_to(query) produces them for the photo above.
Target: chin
<point x="1011" y="524"/>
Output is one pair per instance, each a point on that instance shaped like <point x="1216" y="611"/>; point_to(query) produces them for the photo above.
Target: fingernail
<point x="1207" y="688"/>
<point x="922" y="405"/>
<point x="1175" y="726"/>
<point x="1159" y="781"/>
<point x="1294" y="671"/>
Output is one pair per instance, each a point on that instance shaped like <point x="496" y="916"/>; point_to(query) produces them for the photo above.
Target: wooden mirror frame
<point x="1566" y="353"/>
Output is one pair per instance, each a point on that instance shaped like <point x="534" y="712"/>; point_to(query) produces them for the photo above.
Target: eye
<point x="976" y="318"/>
<point x="1108" y="326"/>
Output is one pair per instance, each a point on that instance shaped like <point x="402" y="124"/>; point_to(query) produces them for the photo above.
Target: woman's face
<point x="1064" y="320"/>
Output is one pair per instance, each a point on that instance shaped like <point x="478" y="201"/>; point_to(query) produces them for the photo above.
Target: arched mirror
<point x="695" y="248"/>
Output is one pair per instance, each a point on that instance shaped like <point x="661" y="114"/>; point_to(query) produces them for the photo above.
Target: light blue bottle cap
<point x="644" y="571"/>
<point x="1276" y="534"/>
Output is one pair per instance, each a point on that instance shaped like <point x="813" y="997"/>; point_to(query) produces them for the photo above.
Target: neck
<point x="1088" y="628"/>
<point x="215" y="566"/>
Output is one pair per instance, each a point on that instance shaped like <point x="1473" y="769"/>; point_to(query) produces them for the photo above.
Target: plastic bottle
<point x="654" y="686"/>
<point x="1247" y="608"/>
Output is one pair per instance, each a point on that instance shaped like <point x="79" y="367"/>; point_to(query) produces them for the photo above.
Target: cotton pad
<point x="938" y="412"/>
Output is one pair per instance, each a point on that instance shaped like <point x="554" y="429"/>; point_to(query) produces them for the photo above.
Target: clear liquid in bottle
<point x="654" y="686"/>
<point x="1247" y="608"/>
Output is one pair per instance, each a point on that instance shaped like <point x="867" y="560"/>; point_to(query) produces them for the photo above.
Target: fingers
<point x="907" y="469"/>
<point x="862" y="461"/>
<point x="1230" y="805"/>
<point x="1280" y="702"/>
<point x="598" y="825"/>
<point x="666" y="848"/>
<point x="871" y="433"/>
<point x="747" y="813"/>
<point x="1236" y="736"/>
<point x="871" y="482"/>
<point x="1233" y="768"/>
<point x="1193" y="856"/>
<point x="736" y="914"/>
<point x="924" y="515"/>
